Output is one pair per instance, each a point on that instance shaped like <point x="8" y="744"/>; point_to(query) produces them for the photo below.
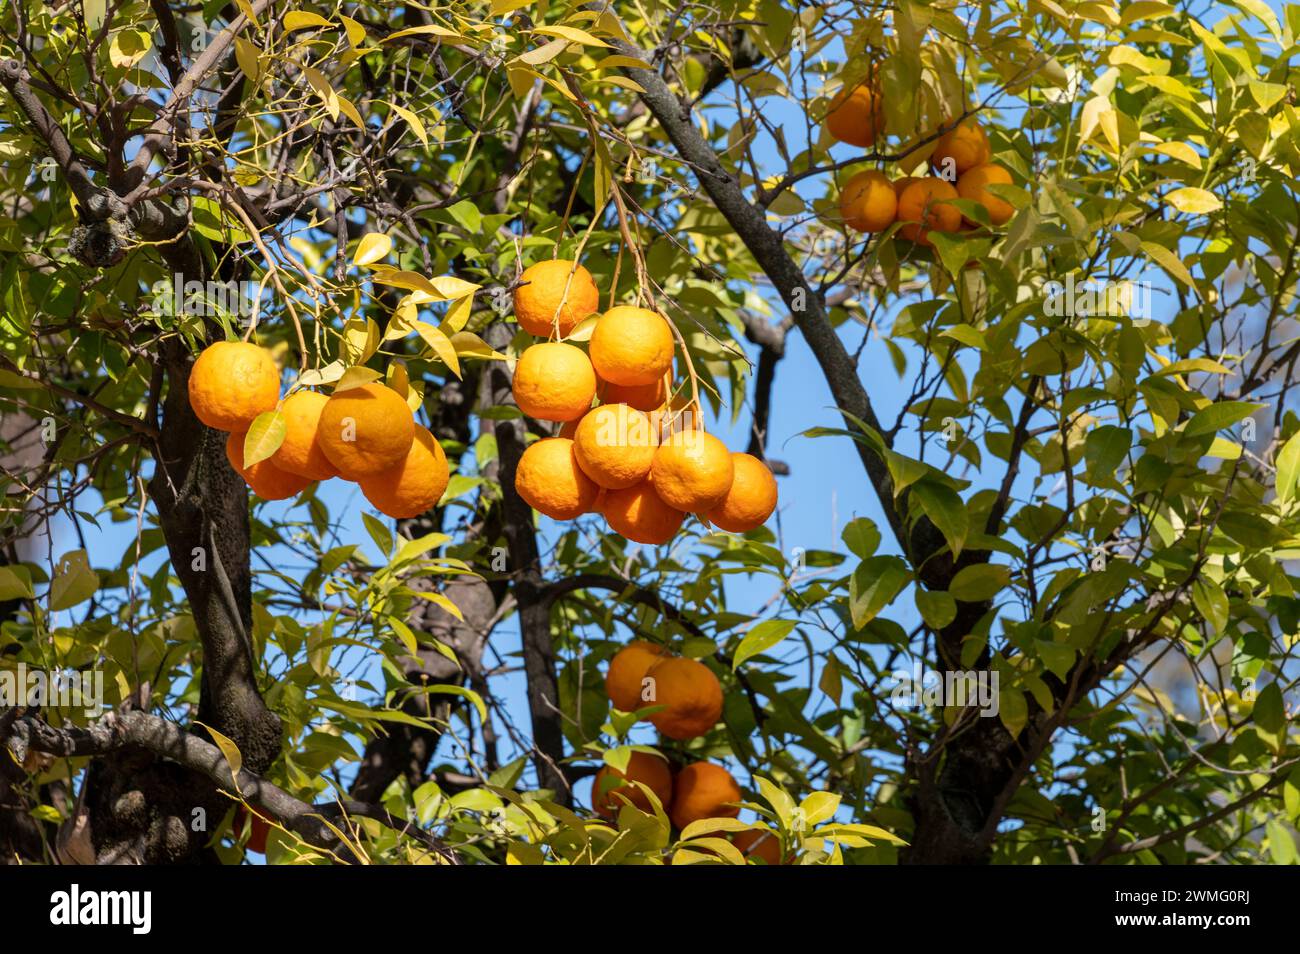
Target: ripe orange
<point x="413" y="485"/>
<point x="751" y="499"/>
<point x="755" y="843"/>
<point x="923" y="205"/>
<point x="692" y="471"/>
<point x="972" y="184"/>
<point x="623" y="678"/>
<point x="365" y="430"/>
<point x="856" y="116"/>
<point x="690" y="694"/>
<point x="301" y="453"/>
<point x="651" y="770"/>
<point x="704" y="790"/>
<point x="554" y="382"/>
<point x="965" y="145"/>
<point x="543" y="294"/>
<point x="678" y="415"/>
<point x="266" y="480"/>
<point x="643" y="397"/>
<point x="632" y="346"/>
<point x="550" y="481"/>
<point x="902" y="183"/>
<point x="614" y="445"/>
<point x="868" y="202"/>
<point x="231" y="383"/>
<point x="639" y="514"/>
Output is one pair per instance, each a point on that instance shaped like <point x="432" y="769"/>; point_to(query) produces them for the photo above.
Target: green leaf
<point x="1013" y="710"/>
<point x="1270" y="712"/>
<point x="874" y="585"/>
<point x="1211" y="602"/>
<point x="214" y="222"/>
<point x="1288" y="468"/>
<point x="945" y="508"/>
<point x="379" y="532"/>
<point x="74" y="581"/>
<point x="831" y="681"/>
<point x="861" y="537"/>
<point x="1217" y="416"/>
<point x="1194" y="201"/>
<point x="1105" y="449"/>
<point x="762" y="637"/>
<point x="936" y="607"/>
<point x="974" y="584"/>
<point x="15" y="583"/>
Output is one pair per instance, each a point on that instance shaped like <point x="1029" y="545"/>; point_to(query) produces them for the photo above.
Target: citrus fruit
<point x="756" y="843"/>
<point x="868" y="202"/>
<point x="610" y="786"/>
<point x="690" y="694"/>
<point x="631" y="346"/>
<point x="962" y="147"/>
<point x="902" y="183"/>
<point x="856" y="116"/>
<point x="751" y="498"/>
<point x="413" y="485"/>
<point x="266" y="480"/>
<point x="643" y="397"/>
<point x="231" y="383"/>
<point x="300" y="453"/>
<point x="704" y="790"/>
<point x="614" y="445"/>
<point x="550" y="481"/>
<point x="542" y="294"/>
<point x="554" y="382"/>
<point x="365" y="430"/>
<point x="692" y="471"/>
<point x="623" y="678"/>
<point x="972" y="184"/>
<point x="639" y="514"/>
<point x="923" y="205"/>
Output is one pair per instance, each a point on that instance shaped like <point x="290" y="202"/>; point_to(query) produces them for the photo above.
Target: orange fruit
<point x="554" y="382"/>
<point x="614" y="445"/>
<point x="972" y="184"/>
<point x="623" y="678"/>
<point x="678" y="415"/>
<point x="543" y="295"/>
<point x="365" y="430"/>
<point x="413" y="485"/>
<point x="856" y="116"/>
<point x="639" y="514"/>
<point x="704" y="790"/>
<point x="643" y="397"/>
<point x="924" y="207"/>
<point x="692" y="471"/>
<point x="231" y="383"/>
<point x="902" y="183"/>
<point x="751" y="498"/>
<point x="301" y="453"/>
<point x="632" y="346"/>
<point x="690" y="694"/>
<point x="868" y="202"/>
<point x="266" y="480"/>
<point x="962" y="147"/>
<point x="550" y="481"/>
<point x="651" y="770"/>
<point x="755" y="843"/>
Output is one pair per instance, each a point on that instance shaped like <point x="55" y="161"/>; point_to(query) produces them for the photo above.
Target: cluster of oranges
<point x="688" y="703"/>
<point x="872" y="202"/>
<point x="638" y="458"/>
<point x="366" y="434"/>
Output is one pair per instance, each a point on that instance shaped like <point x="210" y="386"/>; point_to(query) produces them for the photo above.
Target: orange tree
<point x="1069" y="228"/>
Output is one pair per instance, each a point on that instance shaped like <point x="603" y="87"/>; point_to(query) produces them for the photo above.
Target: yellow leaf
<point x="355" y="378"/>
<point x="1180" y="151"/>
<point x="626" y="83"/>
<point x="412" y="120"/>
<point x="521" y="79"/>
<point x="1194" y="201"/>
<point x="356" y="32"/>
<point x="129" y="47"/>
<point x="387" y="275"/>
<point x="264" y="437"/>
<point x="618" y="61"/>
<point x="544" y="53"/>
<point x="440" y="344"/>
<point x="571" y="33"/>
<point x="228" y="749"/>
<point x="323" y="89"/>
<point x="346" y="107"/>
<point x="470" y="345"/>
<point x="372" y="247"/>
<point x="398" y="379"/>
<point x="303" y="20"/>
<point x="449" y="286"/>
<point x="246" y="57"/>
<point x="426" y="30"/>
<point x="246" y="8"/>
<point x="502" y="7"/>
<point x="458" y="314"/>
